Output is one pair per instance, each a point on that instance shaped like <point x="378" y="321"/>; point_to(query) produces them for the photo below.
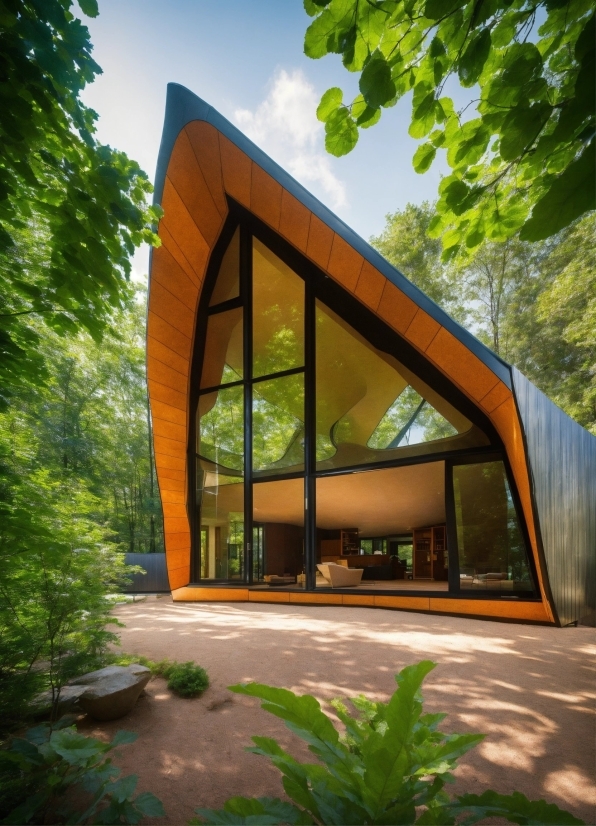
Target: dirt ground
<point x="530" y="689"/>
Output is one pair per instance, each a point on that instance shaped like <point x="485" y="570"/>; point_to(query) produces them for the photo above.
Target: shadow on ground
<point x="530" y="689"/>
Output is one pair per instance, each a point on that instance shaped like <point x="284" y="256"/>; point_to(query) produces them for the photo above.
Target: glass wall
<point x="491" y="548"/>
<point x="220" y="483"/>
<point x="278" y="535"/>
<point x="370" y="407"/>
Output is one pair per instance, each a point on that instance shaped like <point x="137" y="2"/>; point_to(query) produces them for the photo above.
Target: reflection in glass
<point x="278" y="424"/>
<point x="227" y="285"/>
<point x="367" y="403"/>
<point x="220" y="489"/>
<point x="222" y="362"/>
<point x="492" y="552"/>
<point x="278" y="314"/>
<point x="278" y="513"/>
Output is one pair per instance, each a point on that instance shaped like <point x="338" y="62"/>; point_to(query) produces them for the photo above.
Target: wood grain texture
<point x="409" y="603"/>
<point x="161" y="373"/>
<point x="164" y="332"/>
<point x="204" y="140"/>
<point x="190" y="594"/>
<point x="344" y="264"/>
<point x="305" y="598"/>
<point x="504" y="609"/>
<point x="294" y="221"/>
<point x="179" y="223"/>
<point x="369" y="288"/>
<point x="495" y="397"/>
<point x="268" y="596"/>
<point x="320" y="239"/>
<point x="461" y="365"/>
<point x="164" y="354"/>
<point x="422" y="330"/>
<point x="358" y="599"/>
<point x="396" y="308"/>
<point x="170" y="275"/>
<point x="162" y="427"/>
<point x="265" y="197"/>
<point x="237" y="171"/>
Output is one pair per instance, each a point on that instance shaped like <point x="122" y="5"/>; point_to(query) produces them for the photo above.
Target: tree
<point x="71" y="210"/>
<point x="524" y="162"/>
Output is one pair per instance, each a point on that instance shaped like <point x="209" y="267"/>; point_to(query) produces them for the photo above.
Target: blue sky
<point x="245" y="58"/>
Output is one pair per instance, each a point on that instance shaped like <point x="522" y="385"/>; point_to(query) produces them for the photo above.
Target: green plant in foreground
<point x="38" y="770"/>
<point x="187" y="679"/>
<point x="389" y="768"/>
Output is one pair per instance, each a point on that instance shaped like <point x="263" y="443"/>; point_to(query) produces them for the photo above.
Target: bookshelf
<point x="430" y="553"/>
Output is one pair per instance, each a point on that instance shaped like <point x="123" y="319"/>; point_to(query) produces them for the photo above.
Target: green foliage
<point x="71" y="210"/>
<point x="187" y="679"/>
<point x="42" y="771"/>
<point x="391" y="766"/>
<point x="524" y="162"/>
<point x="159" y="668"/>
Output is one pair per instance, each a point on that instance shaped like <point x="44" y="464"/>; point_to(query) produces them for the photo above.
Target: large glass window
<point x="278" y="424"/>
<point x="278" y="536"/>
<point x="492" y="551"/>
<point x="222" y="363"/>
<point x="220" y="488"/>
<point x="370" y="407"/>
<point x="227" y="285"/>
<point x="278" y="314"/>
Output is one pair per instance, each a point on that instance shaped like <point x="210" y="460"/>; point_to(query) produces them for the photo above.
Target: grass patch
<point x="185" y="679"/>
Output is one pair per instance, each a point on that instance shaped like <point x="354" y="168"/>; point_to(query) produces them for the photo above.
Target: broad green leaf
<point x="364" y="115"/>
<point x="423" y="117"/>
<point x="122" y="738"/>
<point x="341" y="133"/>
<point x="521" y="127"/>
<point x="515" y="808"/>
<point x="435" y="9"/>
<point x="89" y="7"/>
<point x="74" y="747"/>
<point x="472" y="61"/>
<point x="330" y="103"/>
<point x="376" y="85"/>
<point x="149" y="805"/>
<point x="570" y="195"/>
<point x="423" y="157"/>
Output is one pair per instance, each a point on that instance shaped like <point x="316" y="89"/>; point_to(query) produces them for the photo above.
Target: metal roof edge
<point x="183" y="106"/>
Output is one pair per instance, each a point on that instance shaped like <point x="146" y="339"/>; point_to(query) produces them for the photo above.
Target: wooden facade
<point x="204" y="162"/>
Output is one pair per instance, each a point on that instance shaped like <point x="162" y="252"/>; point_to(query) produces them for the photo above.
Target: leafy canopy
<point x="525" y="160"/>
<point x="390" y="767"/>
<point x="71" y="210"/>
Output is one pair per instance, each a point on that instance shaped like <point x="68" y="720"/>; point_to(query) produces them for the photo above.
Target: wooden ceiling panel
<point x="369" y="288"/>
<point x="204" y="140"/>
<point x="344" y="264"/>
<point x="294" y="221"/>
<point x="265" y="197"/>
<point x="396" y="308"/>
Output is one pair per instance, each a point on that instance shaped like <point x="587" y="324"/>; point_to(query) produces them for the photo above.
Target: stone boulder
<point x="111" y="692"/>
<point x="67" y="702"/>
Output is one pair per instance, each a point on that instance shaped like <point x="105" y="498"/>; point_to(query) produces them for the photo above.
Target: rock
<point x="67" y="702"/>
<point x="220" y="699"/>
<point x="111" y="692"/>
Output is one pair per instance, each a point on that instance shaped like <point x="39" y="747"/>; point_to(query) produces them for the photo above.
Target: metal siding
<point x="156" y="578"/>
<point x="562" y="464"/>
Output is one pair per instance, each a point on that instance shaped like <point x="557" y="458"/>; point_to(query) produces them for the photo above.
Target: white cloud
<point x="286" y="127"/>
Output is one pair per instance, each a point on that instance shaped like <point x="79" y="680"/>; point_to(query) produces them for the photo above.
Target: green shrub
<point x="391" y="766"/>
<point x="187" y="679"/>
<point x="38" y="770"/>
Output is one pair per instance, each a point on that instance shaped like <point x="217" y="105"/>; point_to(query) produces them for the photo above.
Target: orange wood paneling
<point x="506" y="609"/>
<point x="396" y="308"/>
<point x="409" y="603"/>
<point x="495" y="397"/>
<point x="173" y="496"/>
<point x="172" y="479"/>
<point x="170" y="275"/>
<point x="169" y="447"/>
<point x="236" y="167"/>
<point x="161" y="352"/>
<point x="167" y="395"/>
<point x="422" y="330"/>
<point x="179" y="577"/>
<point x="204" y="140"/>
<point x="187" y="177"/>
<point x="162" y="331"/>
<point x="179" y="542"/>
<point x="295" y="221"/>
<point x="315" y="599"/>
<point x="320" y="239"/>
<point x="461" y="365"/>
<point x="167" y="413"/>
<point x="210" y="595"/>
<point x="265" y="197"/>
<point x="168" y="243"/>
<point x="179" y="558"/>
<point x="173" y="509"/>
<point x="345" y="263"/>
<point x="169" y="430"/>
<point x="358" y="599"/>
<point x="369" y="288"/>
<point x="165" y="304"/>
<point x="175" y="524"/>
<point x="268" y="596"/>
<point x="161" y="373"/>
<point x="173" y="462"/>
<point x="179" y="223"/>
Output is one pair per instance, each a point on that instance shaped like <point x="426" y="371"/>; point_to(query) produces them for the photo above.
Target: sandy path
<point x="530" y="689"/>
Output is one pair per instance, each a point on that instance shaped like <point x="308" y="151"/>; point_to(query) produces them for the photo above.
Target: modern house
<point x="323" y="432"/>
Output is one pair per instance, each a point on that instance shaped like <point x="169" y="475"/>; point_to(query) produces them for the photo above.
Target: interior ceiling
<point x="378" y="503"/>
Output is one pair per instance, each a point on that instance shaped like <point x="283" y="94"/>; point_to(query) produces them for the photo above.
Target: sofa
<point x="338" y="576"/>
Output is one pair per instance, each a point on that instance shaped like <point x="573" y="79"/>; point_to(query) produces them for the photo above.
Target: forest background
<point x="77" y="481"/>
